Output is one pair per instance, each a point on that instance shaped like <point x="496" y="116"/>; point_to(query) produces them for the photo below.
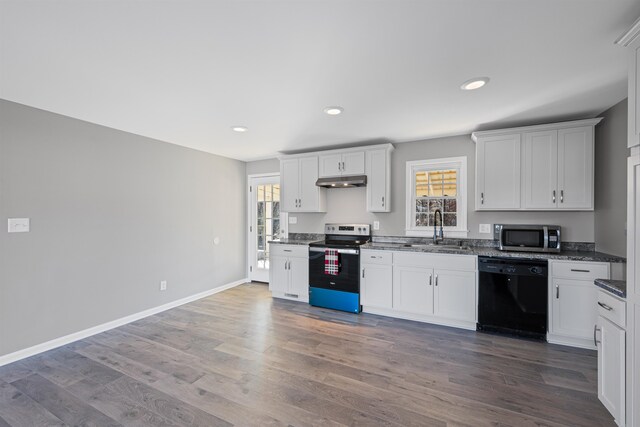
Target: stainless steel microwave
<point x="527" y="238"/>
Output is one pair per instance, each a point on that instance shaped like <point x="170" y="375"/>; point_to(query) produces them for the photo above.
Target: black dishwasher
<point x="512" y="296"/>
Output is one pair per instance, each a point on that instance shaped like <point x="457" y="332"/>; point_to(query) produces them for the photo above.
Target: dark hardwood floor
<point x="241" y="358"/>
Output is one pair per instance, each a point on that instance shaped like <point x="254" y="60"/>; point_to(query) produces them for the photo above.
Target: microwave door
<point x="523" y="238"/>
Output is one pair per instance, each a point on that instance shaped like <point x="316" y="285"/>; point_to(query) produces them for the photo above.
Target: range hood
<point x="342" y="181"/>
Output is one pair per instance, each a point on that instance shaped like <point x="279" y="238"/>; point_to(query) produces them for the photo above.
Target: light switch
<point x="18" y="225"/>
<point x="485" y="228"/>
<point x="376" y="225"/>
<point x="293" y="220"/>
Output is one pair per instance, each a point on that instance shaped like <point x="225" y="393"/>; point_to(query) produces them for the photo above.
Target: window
<point x="438" y="184"/>
<point x="268" y="220"/>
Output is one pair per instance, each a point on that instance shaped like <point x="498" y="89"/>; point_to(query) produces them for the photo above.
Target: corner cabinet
<point x="298" y="188"/>
<point x="289" y="272"/>
<point x="546" y="167"/>
<point x="573" y="301"/>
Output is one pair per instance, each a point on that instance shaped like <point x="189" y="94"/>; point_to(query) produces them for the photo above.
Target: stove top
<point x="344" y="236"/>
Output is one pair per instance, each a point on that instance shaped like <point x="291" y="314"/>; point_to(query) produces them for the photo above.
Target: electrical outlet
<point x="163" y="285"/>
<point x="293" y="220"/>
<point x="485" y="228"/>
<point x="376" y="225"/>
<point x="18" y="225"/>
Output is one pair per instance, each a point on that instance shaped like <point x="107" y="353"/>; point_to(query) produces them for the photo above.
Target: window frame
<point x="457" y="163"/>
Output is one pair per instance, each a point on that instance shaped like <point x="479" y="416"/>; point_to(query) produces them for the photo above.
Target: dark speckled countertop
<point x="293" y="241"/>
<point x="492" y="252"/>
<point x="616" y="287"/>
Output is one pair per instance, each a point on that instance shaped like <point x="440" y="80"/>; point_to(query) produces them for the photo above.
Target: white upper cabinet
<point x="498" y="172"/>
<point x="545" y="167"/>
<point x="346" y="163"/>
<point x="631" y="41"/>
<point x="575" y="168"/>
<point x="378" y="179"/>
<point x="540" y="170"/>
<point x="298" y="178"/>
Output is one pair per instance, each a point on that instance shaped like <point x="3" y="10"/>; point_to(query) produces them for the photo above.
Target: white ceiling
<point x="186" y="71"/>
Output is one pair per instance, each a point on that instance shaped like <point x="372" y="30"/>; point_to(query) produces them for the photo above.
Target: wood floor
<point x="241" y="358"/>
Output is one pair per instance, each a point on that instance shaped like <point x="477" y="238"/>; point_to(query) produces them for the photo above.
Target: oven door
<point x="348" y="277"/>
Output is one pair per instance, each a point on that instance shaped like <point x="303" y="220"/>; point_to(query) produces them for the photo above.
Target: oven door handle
<point x="340" y="251"/>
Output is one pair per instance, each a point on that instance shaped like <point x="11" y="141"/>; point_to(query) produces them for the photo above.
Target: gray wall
<point x="349" y="205"/>
<point x="112" y="214"/>
<point x="263" y="166"/>
<point x="611" y="181"/>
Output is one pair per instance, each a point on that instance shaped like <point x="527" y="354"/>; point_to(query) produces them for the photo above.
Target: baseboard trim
<point x="67" y="339"/>
<point x="461" y="324"/>
<point x="571" y="342"/>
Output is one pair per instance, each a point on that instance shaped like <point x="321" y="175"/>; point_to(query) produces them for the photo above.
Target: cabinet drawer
<point x="612" y="308"/>
<point x="300" y="251"/>
<point x="442" y="261"/>
<point x="580" y="270"/>
<point x="376" y="257"/>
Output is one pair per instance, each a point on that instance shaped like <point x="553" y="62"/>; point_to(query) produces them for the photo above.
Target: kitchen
<point x="319" y="213"/>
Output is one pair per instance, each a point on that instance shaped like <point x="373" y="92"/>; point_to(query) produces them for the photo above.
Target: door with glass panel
<point x="265" y="223"/>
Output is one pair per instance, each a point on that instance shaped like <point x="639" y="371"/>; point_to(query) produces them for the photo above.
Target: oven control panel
<point x="348" y="229"/>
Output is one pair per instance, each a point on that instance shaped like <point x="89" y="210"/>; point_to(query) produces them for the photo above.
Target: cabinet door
<point x="540" y="170"/>
<point x="575" y="168"/>
<point x="498" y="172"/>
<point x="413" y="289"/>
<point x="353" y="163"/>
<point x="573" y="304"/>
<point x="278" y="274"/>
<point x="634" y="94"/>
<point x="611" y="369"/>
<point x="454" y="295"/>
<point x="289" y="184"/>
<point x="330" y="165"/>
<point x="299" y="278"/>
<point x="376" y="286"/>
<point x="377" y="194"/>
<point x="309" y="191"/>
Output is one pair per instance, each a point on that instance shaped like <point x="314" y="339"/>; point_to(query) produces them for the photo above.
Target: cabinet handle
<point x="605" y="306"/>
<point x="595" y="331"/>
<point x="382" y="200"/>
<point x="363" y="273"/>
<point x="430" y="278"/>
<point x="343" y="168"/>
<point x="554" y="196"/>
<point x="436" y="280"/>
<point x="561" y="196"/>
<point x="577" y="270"/>
<point x="557" y="291"/>
<point x="482" y="198"/>
<point x="286" y="250"/>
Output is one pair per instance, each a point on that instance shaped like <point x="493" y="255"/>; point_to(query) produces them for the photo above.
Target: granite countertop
<point x="492" y="252"/>
<point x="292" y="241"/>
<point x="616" y="287"/>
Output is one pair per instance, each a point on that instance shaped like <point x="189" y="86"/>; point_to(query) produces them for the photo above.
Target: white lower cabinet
<point x="289" y="272"/>
<point x="572" y="301"/>
<point x="434" y="288"/>
<point x="610" y="336"/>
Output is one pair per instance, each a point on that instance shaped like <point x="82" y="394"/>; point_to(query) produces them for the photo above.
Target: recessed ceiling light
<point x="475" y="83"/>
<point x="333" y="111"/>
<point x="239" y="129"/>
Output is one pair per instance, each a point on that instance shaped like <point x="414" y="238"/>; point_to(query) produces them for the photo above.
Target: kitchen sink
<point x="432" y="246"/>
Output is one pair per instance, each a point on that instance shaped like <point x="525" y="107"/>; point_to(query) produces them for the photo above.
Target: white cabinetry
<point x="609" y="335"/>
<point x="289" y="272"/>
<point x="546" y="167"/>
<point x="345" y="163"/>
<point x="378" y="180"/>
<point x="572" y="301"/>
<point x="498" y="172"/>
<point x="376" y="283"/>
<point x="298" y="178"/>
<point x="631" y="40"/>
<point x="427" y="287"/>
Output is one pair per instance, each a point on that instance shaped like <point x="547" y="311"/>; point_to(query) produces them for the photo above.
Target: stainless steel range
<point x="334" y="267"/>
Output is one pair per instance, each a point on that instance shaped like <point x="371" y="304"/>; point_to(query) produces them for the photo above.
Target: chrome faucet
<point x="437" y="213"/>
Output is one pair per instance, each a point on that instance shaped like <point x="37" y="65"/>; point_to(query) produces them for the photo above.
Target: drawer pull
<point x="595" y="330"/>
<point x="605" y="306"/>
<point x="363" y="273"/>
<point x="287" y="250"/>
<point x="557" y="291"/>
<point x="577" y="270"/>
